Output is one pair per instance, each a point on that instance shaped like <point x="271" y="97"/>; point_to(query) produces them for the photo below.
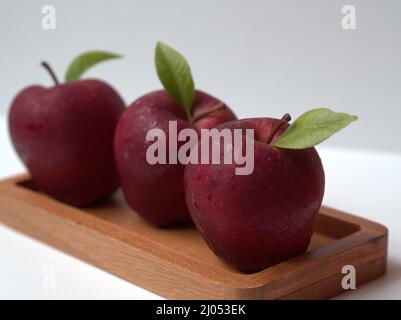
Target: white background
<point x="264" y="58"/>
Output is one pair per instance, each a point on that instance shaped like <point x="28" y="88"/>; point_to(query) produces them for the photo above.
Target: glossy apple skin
<point x="156" y="192"/>
<point x="255" y="221"/>
<point x="64" y="135"/>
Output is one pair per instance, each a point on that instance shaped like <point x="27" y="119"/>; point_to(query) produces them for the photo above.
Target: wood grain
<point x="177" y="264"/>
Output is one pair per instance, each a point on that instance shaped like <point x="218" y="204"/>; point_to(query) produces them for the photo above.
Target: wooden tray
<point x="176" y="263"/>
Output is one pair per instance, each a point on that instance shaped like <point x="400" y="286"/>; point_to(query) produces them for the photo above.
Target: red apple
<point x="257" y="220"/>
<point x="156" y="192"/>
<point x="64" y="135"/>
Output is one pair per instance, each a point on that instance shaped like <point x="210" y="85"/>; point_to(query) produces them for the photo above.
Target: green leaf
<point x="86" y="60"/>
<point x="175" y="75"/>
<point x="313" y="127"/>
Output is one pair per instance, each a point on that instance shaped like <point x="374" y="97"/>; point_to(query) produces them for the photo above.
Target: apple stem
<point x="202" y="115"/>
<point x="284" y="119"/>
<point x="50" y="71"/>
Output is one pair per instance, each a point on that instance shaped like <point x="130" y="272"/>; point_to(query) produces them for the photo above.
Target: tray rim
<point x="369" y="231"/>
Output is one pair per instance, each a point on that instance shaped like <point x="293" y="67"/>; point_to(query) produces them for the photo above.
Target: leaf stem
<point x="189" y="115"/>
<point x="284" y="119"/>
<point x="51" y="72"/>
<point x="202" y="115"/>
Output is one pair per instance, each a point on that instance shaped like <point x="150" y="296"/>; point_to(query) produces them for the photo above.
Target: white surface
<point x="361" y="182"/>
